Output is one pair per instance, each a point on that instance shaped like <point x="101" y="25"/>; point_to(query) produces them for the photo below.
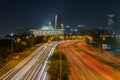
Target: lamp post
<point x="12" y="42"/>
<point x="12" y="46"/>
<point x="98" y="46"/>
<point x="60" y="65"/>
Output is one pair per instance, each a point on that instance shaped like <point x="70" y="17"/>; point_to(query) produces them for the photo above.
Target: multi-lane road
<point x="83" y="66"/>
<point x="34" y="66"/>
<point x="86" y="67"/>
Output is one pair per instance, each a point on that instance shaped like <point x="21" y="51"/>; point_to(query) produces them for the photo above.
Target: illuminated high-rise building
<point x="55" y="21"/>
<point x="110" y="20"/>
<point x="111" y="27"/>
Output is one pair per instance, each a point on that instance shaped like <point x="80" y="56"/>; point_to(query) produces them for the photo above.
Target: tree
<point x="4" y="53"/>
<point x="54" y="70"/>
<point x="58" y="65"/>
<point x="57" y="54"/>
<point x="19" y="46"/>
<point x="5" y="49"/>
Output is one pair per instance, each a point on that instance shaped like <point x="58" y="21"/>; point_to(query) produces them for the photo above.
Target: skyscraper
<point x="110" y="20"/>
<point x="111" y="26"/>
<point x="55" y="21"/>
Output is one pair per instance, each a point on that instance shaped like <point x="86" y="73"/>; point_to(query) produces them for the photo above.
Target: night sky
<point x="16" y="14"/>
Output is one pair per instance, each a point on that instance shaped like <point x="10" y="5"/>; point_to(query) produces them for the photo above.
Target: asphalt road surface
<point x="34" y="66"/>
<point x="86" y="67"/>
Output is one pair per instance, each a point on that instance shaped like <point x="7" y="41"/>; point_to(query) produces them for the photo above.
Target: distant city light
<point x="71" y="29"/>
<point x="11" y="34"/>
<point x="80" y="25"/>
<point x="75" y="30"/>
<point x="67" y="26"/>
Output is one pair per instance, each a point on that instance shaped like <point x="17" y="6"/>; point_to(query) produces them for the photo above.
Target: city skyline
<point x="15" y="14"/>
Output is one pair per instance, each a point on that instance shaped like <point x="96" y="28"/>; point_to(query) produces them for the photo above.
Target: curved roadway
<point x="34" y="66"/>
<point x="85" y="67"/>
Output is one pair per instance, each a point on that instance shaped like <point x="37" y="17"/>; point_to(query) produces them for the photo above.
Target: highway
<point x="100" y="53"/>
<point x="86" y="67"/>
<point x="34" y="66"/>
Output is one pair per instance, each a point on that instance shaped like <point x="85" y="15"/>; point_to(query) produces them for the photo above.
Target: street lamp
<point x="12" y="41"/>
<point x="98" y="46"/>
<point x="27" y="37"/>
<point x="104" y="38"/>
<point x="18" y="39"/>
<point x="60" y="64"/>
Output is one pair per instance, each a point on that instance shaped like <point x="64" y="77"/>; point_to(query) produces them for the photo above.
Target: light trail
<point x="34" y="66"/>
<point x="85" y="67"/>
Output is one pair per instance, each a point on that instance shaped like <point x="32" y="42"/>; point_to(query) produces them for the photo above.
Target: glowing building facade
<point x="47" y="31"/>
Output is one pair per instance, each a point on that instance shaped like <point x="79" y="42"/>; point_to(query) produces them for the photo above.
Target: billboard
<point x="105" y="46"/>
